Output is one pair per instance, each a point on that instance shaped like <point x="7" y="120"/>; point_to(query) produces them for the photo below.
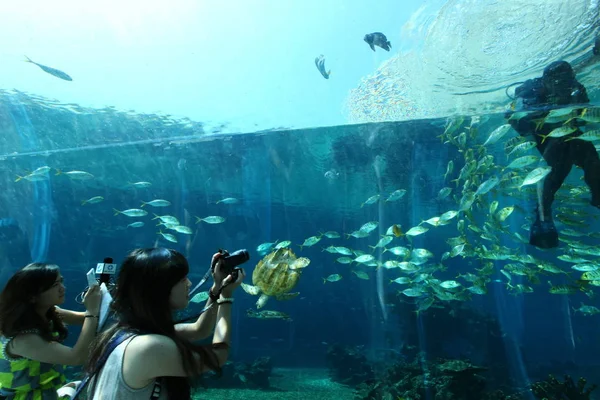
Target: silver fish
<point x="156" y="203"/>
<point x="132" y="212"/>
<point x="497" y="134"/>
<point x="535" y="176"/>
<point x="52" y="71"/>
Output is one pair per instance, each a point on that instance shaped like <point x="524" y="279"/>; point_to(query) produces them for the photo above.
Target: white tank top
<point x="110" y="384"/>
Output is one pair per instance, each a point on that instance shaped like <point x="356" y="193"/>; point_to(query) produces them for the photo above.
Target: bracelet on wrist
<point x="225" y="300"/>
<point x="214" y="296"/>
<point x="91" y="316"/>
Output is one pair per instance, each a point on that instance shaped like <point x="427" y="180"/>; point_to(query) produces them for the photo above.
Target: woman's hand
<point x="217" y="273"/>
<point x="229" y="285"/>
<point x="224" y="281"/>
<point x="93" y="299"/>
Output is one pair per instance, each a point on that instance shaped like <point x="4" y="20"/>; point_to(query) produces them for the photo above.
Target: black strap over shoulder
<point x="116" y="340"/>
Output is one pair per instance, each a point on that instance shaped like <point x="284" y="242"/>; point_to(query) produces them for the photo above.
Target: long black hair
<point x="17" y="310"/>
<point x="141" y="304"/>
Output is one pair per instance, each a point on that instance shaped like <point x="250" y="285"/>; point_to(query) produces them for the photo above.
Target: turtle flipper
<point x="262" y="300"/>
<point x="253" y="290"/>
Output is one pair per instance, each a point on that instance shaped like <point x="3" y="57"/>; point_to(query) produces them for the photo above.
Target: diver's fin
<point x="543" y="234"/>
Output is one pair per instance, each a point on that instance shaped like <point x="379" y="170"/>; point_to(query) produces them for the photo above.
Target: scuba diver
<point x="556" y="88"/>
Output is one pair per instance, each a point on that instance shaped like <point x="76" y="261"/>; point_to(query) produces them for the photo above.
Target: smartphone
<point x="91" y="277"/>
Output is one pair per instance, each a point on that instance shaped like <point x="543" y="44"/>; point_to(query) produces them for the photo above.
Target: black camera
<point x="231" y="261"/>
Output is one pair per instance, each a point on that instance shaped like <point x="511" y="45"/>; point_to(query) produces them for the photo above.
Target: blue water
<point x="285" y="193"/>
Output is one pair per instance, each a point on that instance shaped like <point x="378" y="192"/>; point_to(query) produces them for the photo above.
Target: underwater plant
<point x="553" y="389"/>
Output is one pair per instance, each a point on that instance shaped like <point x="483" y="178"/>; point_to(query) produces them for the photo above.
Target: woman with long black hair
<point x="146" y="354"/>
<point x="32" y="329"/>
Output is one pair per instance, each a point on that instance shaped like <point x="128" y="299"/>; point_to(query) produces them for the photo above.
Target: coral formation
<point x="348" y="365"/>
<point x="422" y="379"/>
<point x="467" y="334"/>
<point x="240" y="374"/>
<point x="553" y="389"/>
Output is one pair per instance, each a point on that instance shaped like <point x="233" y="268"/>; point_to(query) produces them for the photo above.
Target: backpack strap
<point x="116" y="340"/>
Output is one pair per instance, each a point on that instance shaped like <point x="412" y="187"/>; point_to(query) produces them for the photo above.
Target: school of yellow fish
<point x="483" y="194"/>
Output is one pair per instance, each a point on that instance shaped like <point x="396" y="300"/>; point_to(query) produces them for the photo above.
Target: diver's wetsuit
<point x="559" y="153"/>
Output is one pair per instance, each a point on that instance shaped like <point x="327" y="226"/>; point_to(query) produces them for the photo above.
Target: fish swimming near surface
<point x="378" y="39"/>
<point x="52" y="71"/>
<point x="320" y="63"/>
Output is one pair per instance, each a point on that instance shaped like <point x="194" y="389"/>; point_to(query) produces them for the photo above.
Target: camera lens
<point x="236" y="258"/>
<point x="241" y="256"/>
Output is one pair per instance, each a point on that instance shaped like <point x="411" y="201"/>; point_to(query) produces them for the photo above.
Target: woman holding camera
<point x="145" y="355"/>
<point x="32" y="329"/>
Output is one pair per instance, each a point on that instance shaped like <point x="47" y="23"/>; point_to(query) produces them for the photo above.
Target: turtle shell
<point x="273" y="274"/>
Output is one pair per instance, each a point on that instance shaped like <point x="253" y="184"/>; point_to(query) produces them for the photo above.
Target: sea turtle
<point x="275" y="275"/>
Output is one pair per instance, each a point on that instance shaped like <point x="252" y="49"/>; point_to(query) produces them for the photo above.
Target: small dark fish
<point x="320" y="63"/>
<point x="378" y="39"/>
<point x="52" y="71"/>
<point x="596" y="49"/>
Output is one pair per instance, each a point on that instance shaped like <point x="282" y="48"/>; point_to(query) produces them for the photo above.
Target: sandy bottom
<point x="288" y="383"/>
